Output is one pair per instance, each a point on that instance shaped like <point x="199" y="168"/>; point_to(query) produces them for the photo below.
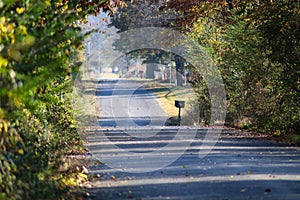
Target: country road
<point x="128" y="103"/>
<point x="143" y="159"/>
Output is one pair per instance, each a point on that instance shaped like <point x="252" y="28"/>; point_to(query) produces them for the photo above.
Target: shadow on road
<point x="245" y="168"/>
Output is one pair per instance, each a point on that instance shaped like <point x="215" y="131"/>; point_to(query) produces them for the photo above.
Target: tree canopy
<point x="255" y="45"/>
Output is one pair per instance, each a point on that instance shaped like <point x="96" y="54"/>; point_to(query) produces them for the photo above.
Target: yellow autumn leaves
<point x="20" y="10"/>
<point x="3" y="62"/>
<point x="13" y="39"/>
<point x="6" y="33"/>
<point x="3" y="125"/>
<point x="6" y="30"/>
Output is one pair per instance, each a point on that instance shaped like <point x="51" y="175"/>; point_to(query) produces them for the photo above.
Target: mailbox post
<point x="179" y="104"/>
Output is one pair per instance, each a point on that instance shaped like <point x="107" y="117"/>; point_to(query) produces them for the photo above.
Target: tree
<point x="255" y="45"/>
<point x="39" y="41"/>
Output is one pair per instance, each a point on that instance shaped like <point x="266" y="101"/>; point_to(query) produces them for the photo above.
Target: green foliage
<point x="39" y="42"/>
<point x="256" y="48"/>
<point x="33" y="146"/>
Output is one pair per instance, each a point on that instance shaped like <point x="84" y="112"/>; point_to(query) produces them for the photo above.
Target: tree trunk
<point x="150" y="67"/>
<point x="179" y="70"/>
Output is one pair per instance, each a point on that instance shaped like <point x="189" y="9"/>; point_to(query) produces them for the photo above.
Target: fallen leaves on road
<point x="113" y="178"/>
<point x="267" y="190"/>
<point x="244" y="190"/>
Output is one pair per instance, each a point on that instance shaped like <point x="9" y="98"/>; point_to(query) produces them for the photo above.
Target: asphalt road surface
<point x="140" y="164"/>
<point x="128" y="103"/>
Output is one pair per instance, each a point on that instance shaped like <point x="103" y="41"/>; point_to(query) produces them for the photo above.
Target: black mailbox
<point x="179" y="104"/>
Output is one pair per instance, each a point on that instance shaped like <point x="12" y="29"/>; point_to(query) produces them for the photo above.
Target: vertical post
<point x="179" y="104"/>
<point x="88" y="53"/>
<point x="170" y="74"/>
<point x="99" y="65"/>
<point x="88" y="47"/>
<point x="179" y="117"/>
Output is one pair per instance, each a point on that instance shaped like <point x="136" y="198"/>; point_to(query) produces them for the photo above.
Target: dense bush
<point x="38" y="140"/>
<point x="255" y="45"/>
<point x="39" y="41"/>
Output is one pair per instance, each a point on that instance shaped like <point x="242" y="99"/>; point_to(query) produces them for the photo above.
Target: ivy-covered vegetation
<point x="39" y="44"/>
